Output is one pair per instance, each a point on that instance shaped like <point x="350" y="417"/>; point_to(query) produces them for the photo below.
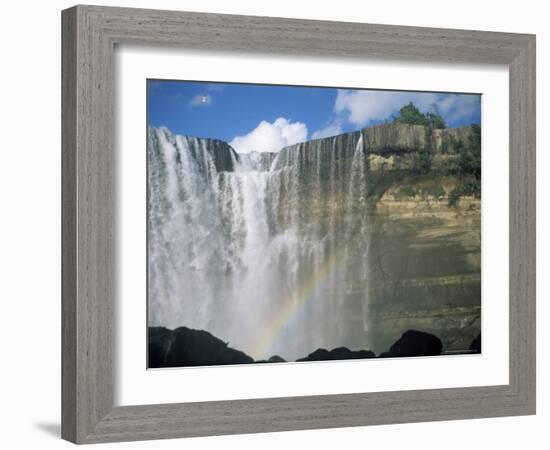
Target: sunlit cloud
<point x="361" y="108"/>
<point x="271" y="137"/>
<point x="332" y="129"/>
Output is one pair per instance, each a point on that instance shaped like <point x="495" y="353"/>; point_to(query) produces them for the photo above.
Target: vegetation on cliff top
<point x="412" y="115"/>
<point x="468" y="164"/>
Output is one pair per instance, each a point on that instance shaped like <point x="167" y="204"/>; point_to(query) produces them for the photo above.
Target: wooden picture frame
<point x="89" y="35"/>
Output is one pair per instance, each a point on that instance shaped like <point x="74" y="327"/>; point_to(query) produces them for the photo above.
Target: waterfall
<point x="265" y="251"/>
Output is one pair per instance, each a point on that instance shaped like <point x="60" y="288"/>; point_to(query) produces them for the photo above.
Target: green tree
<point x="412" y="115"/>
<point x="436" y="121"/>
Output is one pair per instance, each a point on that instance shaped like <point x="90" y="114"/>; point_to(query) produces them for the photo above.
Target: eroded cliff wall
<point x="424" y="253"/>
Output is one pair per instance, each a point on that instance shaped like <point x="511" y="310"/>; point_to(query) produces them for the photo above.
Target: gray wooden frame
<point x="89" y="34"/>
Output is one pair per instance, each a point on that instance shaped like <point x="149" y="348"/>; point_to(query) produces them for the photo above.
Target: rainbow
<point x="295" y="304"/>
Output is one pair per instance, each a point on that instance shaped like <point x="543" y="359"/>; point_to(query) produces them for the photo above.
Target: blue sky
<point x="269" y="117"/>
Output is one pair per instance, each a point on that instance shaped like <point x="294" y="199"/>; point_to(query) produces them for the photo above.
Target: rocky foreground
<point x="184" y="347"/>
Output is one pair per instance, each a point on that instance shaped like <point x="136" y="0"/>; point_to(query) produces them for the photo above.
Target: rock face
<point x="400" y="138"/>
<point x="186" y="347"/>
<point x="395" y="138"/>
<point x="320" y="155"/>
<point x="339" y="353"/>
<point x="415" y="343"/>
<point x="446" y="140"/>
<point x="426" y="260"/>
<point x="223" y="155"/>
<point x="424" y="255"/>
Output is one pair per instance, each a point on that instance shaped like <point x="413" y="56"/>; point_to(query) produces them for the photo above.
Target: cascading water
<point x="267" y="252"/>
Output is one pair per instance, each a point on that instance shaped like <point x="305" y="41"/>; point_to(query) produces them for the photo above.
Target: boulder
<point x="187" y="347"/>
<point x="159" y="342"/>
<point x="340" y="353"/>
<point x="414" y="343"/>
<point x="273" y="359"/>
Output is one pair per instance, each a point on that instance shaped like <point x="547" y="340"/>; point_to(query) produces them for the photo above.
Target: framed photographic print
<point x="278" y="224"/>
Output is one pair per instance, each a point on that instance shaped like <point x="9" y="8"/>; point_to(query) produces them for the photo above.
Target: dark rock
<point x="339" y="353"/>
<point x="320" y="354"/>
<point x="186" y="347"/>
<point x="273" y="359"/>
<point x="414" y="343"/>
<point x="159" y="342"/>
<point x="475" y="346"/>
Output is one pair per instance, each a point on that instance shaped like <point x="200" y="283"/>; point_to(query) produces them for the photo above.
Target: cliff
<point x="424" y="254"/>
<point x="222" y="155"/>
<point x="367" y="235"/>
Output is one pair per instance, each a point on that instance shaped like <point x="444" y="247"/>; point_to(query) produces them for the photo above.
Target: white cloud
<point x="332" y="129"/>
<point x="200" y="100"/>
<point x="362" y="107"/>
<point x="455" y="107"/>
<point x="271" y="137"/>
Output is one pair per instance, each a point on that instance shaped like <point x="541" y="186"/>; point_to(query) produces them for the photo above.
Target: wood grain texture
<point x="88" y="238"/>
<point x="522" y="266"/>
<point x="68" y="225"/>
<point x="89" y="36"/>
